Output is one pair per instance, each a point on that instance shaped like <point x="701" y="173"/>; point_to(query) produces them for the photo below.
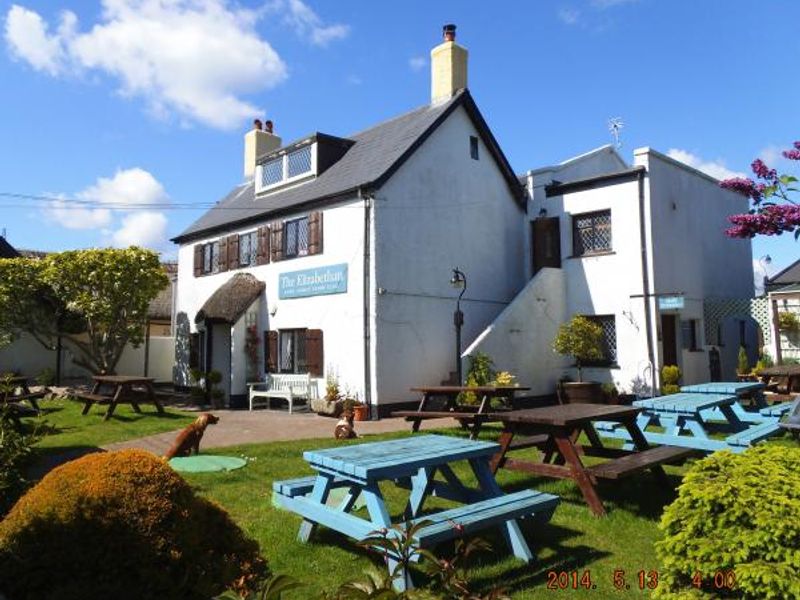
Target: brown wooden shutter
<point x="315" y="233"/>
<point x="233" y="252"/>
<point x="271" y="351"/>
<point x="263" y="245"/>
<point x="194" y="351"/>
<point x="276" y="242"/>
<point x="314" y="352"/>
<point x="223" y="254"/>
<point x="198" y="260"/>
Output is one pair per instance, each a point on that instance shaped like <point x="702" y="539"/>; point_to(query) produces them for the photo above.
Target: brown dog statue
<point x="189" y="438"/>
<point x="344" y="428"/>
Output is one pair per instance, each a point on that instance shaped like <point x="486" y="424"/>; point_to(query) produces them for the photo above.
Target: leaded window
<point x="292" y="351"/>
<point x="211" y="257"/>
<point x="295" y="238"/>
<point x="299" y="161"/>
<point x="609" y="342"/>
<point x="248" y="249"/>
<point x="272" y="172"/>
<point x="591" y="233"/>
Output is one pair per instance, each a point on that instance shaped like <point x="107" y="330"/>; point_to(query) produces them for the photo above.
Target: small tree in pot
<point x="581" y="339"/>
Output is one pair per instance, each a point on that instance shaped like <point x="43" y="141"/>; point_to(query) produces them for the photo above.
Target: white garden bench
<point x="288" y="386"/>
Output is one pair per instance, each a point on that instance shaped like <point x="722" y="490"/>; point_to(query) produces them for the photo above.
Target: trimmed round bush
<point x="121" y="525"/>
<point x="736" y="521"/>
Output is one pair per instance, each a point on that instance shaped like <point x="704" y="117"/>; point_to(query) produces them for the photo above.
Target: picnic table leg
<point x="489" y="487"/>
<point x="423" y="401"/>
<point x="151" y="396"/>
<point x="113" y="404"/>
<point x="319" y="494"/>
<point x="499" y="459"/>
<point x="376" y="507"/>
<point x="421" y="484"/>
<point x="641" y="445"/>
<point x="730" y="414"/>
<point x="581" y="477"/>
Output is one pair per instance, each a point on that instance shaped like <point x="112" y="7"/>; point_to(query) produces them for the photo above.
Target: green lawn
<point x="574" y="540"/>
<point x="69" y="430"/>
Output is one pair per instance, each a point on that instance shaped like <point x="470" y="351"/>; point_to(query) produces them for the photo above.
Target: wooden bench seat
<point x="754" y="434"/>
<point x="639" y="461"/>
<point x="15" y="411"/>
<point x="30" y="398"/>
<point x="288" y="386"/>
<point x="90" y="399"/>
<point x="413" y="415"/>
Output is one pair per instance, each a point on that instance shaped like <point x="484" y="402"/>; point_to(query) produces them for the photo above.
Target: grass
<point x="574" y="540"/>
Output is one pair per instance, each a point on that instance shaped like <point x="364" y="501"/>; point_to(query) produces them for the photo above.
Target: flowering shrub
<point x="767" y="216"/>
<point x="736" y="515"/>
<point x="121" y="525"/>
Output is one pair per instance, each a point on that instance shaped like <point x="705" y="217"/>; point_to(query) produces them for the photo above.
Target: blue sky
<point x="137" y="108"/>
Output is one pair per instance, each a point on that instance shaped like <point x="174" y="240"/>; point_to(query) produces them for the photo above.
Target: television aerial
<point x="615" y="126"/>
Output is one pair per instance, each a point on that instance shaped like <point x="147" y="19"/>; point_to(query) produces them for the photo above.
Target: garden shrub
<point x="743" y="363"/>
<point x="121" y="525"/>
<point x="670" y="376"/>
<point x="16" y="448"/>
<point x="480" y="372"/>
<point x="734" y="514"/>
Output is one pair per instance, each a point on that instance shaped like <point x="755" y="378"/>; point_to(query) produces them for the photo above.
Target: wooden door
<point x="546" y="245"/>
<point x="669" y="340"/>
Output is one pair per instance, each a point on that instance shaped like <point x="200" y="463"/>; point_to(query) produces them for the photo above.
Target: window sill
<point x="592" y="254"/>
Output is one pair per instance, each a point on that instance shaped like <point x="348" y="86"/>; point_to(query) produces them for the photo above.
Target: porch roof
<point x="231" y="299"/>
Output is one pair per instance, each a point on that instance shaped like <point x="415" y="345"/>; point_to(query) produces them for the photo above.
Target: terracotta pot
<point x="361" y="412"/>
<point x="585" y="392"/>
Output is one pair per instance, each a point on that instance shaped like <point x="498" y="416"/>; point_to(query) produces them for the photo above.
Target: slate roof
<point x="376" y="154"/>
<point x="6" y="249"/>
<point x="790" y="274"/>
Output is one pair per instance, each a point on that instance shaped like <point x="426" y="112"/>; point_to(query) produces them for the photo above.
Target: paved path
<point x="262" y="426"/>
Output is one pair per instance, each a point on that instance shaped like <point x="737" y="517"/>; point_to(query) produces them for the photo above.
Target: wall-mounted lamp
<point x="273" y="309"/>
<point x="542" y="212"/>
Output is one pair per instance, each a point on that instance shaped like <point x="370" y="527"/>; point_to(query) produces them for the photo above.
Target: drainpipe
<point x="367" y="303"/>
<point x="646" y="280"/>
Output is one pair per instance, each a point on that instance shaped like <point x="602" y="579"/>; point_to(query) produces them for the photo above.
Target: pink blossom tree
<point x="774" y="210"/>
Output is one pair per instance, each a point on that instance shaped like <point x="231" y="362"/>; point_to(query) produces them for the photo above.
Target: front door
<point x="546" y="244"/>
<point x="669" y="340"/>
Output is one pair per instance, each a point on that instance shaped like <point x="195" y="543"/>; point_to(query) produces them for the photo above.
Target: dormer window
<point x="289" y="165"/>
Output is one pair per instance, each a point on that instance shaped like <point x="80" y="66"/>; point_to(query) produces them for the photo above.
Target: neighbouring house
<point x="783" y="293"/>
<point x="641" y="251"/>
<point x="6" y="249"/>
<point x="334" y="256"/>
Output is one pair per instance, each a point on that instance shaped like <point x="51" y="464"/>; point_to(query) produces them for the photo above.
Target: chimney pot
<point x="268" y="126"/>
<point x="449" y="32"/>
<point x="257" y="124"/>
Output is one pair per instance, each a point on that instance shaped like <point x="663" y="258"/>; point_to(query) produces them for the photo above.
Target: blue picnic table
<point x="686" y="416"/>
<point x="414" y="463"/>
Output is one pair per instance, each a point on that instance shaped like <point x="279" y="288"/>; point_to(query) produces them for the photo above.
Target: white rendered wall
<point x="339" y="316"/>
<point x="27" y="356"/>
<point x="692" y="254"/>
<point x="441" y="210"/>
<point x="515" y="339"/>
<point x="161" y="358"/>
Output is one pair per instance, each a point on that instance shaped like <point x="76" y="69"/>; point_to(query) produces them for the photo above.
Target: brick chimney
<point x="258" y="141"/>
<point x="448" y="67"/>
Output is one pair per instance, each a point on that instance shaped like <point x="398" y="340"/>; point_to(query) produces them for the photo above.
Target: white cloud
<point x="127" y="189"/>
<point x="146" y="228"/>
<point x="191" y="57"/>
<point x="417" y="63"/>
<point x="714" y="168"/>
<point x="569" y="16"/>
<point x="307" y="24"/>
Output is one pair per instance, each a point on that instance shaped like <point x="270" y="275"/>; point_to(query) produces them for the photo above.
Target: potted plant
<point x="743" y="370"/>
<point x="331" y="404"/>
<point x="670" y="378"/>
<point x="582" y="340"/>
<point x="353" y="406"/>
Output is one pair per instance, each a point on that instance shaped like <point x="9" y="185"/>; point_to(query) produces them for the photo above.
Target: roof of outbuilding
<point x="6" y="249"/>
<point x="160" y="307"/>
<point x="790" y="274"/>
<point x="231" y="299"/>
<point x="376" y="154"/>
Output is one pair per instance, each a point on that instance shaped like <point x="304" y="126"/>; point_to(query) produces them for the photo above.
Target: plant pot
<point x="584" y="392"/>
<point x="361" y="412"/>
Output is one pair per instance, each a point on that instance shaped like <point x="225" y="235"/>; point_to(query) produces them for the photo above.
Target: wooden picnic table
<point x="791" y="373"/>
<point x="470" y="417"/>
<point x="122" y="392"/>
<point x="414" y="463"/>
<point x="556" y="430"/>
<point x="21" y="384"/>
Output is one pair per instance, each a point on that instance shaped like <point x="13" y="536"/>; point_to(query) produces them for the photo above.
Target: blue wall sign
<point x="313" y="282"/>
<point x="670" y="303"/>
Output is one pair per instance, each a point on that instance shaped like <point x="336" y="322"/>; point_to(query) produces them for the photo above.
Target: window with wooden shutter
<point x="276" y="242"/>
<point x="271" y="351"/>
<point x="315" y="233"/>
<point x="223" y="254"/>
<point x="262" y="257"/>
<point x="233" y="252"/>
<point x="198" y="260"/>
<point x="314" y="352"/>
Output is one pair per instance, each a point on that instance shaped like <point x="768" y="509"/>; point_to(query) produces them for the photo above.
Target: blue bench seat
<point x="753" y="434"/>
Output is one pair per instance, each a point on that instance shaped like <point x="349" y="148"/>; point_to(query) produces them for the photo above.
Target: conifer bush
<point x="734" y="531"/>
<point x="121" y="525"/>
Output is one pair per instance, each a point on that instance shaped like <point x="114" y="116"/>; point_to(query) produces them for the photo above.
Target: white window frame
<point x="286" y="180"/>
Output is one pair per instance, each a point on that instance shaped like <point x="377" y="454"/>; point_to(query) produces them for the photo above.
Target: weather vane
<point x="615" y="125"/>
